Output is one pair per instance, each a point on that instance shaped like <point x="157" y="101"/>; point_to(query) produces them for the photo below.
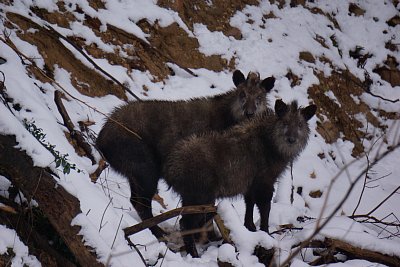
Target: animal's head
<point x="251" y="94"/>
<point x="291" y="130"/>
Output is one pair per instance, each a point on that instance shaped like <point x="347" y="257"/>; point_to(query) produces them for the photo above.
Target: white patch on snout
<point x="285" y="130"/>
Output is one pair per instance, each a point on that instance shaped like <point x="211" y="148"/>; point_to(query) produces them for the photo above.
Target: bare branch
<point x="335" y="245"/>
<point x="76" y="135"/>
<point x="383" y="201"/>
<point x="167" y="215"/>
<point x="97" y="67"/>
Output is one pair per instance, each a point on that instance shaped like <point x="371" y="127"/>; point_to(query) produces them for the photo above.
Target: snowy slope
<point x="270" y="45"/>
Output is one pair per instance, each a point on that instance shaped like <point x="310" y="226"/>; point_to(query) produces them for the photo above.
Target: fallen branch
<point x="168" y="215"/>
<point x="95" y="175"/>
<point x="222" y="229"/>
<point x="76" y="135"/>
<point x="354" y="252"/>
<point x="264" y="255"/>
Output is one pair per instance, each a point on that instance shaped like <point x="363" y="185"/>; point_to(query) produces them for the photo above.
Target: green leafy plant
<point x="61" y="160"/>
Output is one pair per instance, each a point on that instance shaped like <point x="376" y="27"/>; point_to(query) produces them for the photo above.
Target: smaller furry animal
<point x="246" y="159"/>
<point x="160" y="124"/>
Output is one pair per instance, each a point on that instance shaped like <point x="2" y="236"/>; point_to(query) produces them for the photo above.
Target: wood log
<point x="353" y="252"/>
<point x="54" y="201"/>
<point x="38" y="245"/>
<point x="360" y="253"/>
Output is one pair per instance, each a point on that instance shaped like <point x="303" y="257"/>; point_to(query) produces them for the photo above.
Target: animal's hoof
<point x="193" y="251"/>
<point x="264" y="228"/>
<point x="251" y="227"/>
<point x="158" y="232"/>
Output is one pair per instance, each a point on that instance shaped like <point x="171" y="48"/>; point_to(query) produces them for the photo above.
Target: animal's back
<point x="162" y="123"/>
<point x="221" y="164"/>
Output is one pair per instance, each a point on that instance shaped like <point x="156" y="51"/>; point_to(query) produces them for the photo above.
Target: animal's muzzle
<point x="291" y="140"/>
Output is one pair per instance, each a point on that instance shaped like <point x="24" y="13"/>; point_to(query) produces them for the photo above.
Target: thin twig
<point x="383" y="201"/>
<point x="119" y="224"/>
<point x="366" y="87"/>
<point x="137" y="250"/>
<point x="364" y="185"/>
<point x="374" y="220"/>
<point x="102" y="216"/>
<point x="80" y="50"/>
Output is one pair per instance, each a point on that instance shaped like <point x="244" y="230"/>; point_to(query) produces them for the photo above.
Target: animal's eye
<point x="259" y="98"/>
<point x="242" y="94"/>
<point x="300" y="124"/>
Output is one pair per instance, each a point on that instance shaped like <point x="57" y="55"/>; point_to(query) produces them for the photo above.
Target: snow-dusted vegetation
<point x="65" y="65"/>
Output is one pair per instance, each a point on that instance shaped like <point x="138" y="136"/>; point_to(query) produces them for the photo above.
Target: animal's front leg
<point x="263" y="201"/>
<point x="248" y="218"/>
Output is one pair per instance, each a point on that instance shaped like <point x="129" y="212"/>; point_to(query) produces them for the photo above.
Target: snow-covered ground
<point x="271" y="47"/>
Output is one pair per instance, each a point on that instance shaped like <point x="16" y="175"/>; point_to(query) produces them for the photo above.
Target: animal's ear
<point x="268" y="83"/>
<point x="280" y="108"/>
<point x="238" y="77"/>
<point x="308" y="112"/>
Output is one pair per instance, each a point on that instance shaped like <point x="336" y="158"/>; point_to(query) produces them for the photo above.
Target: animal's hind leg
<point x="188" y="223"/>
<point x="135" y="160"/>
<point x="263" y="202"/>
<point x="141" y="197"/>
<point x="194" y="222"/>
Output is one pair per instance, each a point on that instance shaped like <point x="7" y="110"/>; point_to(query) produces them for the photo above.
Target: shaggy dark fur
<point x="246" y="159"/>
<point x="160" y="124"/>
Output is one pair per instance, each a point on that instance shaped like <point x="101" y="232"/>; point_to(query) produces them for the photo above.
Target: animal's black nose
<point x="291" y="140"/>
<point x="249" y="114"/>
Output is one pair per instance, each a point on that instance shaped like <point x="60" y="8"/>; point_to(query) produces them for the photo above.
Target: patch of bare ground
<point x="178" y="47"/>
<point x="85" y="80"/>
<point x="166" y="44"/>
<point x="130" y="51"/>
<point x="390" y="71"/>
<point x="215" y="16"/>
<point x="338" y="115"/>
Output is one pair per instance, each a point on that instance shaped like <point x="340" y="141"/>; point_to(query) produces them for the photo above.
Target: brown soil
<point x="356" y="10"/>
<point x="390" y="72"/>
<point x="336" y="119"/>
<point x="216" y="16"/>
<point x="176" y="45"/>
<point x="84" y="79"/>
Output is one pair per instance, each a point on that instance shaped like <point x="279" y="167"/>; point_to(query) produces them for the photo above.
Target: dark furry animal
<point x="160" y="124"/>
<point x="246" y="159"/>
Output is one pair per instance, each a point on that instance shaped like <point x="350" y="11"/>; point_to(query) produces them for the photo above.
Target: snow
<point x="269" y="46"/>
<point x="10" y="240"/>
